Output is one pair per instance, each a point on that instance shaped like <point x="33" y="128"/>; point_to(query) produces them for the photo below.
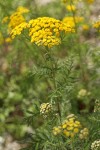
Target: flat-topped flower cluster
<point x="43" y="31"/>
<point x="47" y="31"/>
<point x="71" y="127"/>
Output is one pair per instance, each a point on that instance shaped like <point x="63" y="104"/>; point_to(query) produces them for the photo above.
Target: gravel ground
<point x="7" y="143"/>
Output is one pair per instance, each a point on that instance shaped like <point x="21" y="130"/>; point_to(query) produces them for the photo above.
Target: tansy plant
<point x="59" y="92"/>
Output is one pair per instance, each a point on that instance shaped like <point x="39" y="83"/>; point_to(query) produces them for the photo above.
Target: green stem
<point x="72" y="144"/>
<point x="82" y="67"/>
<point x="53" y="67"/>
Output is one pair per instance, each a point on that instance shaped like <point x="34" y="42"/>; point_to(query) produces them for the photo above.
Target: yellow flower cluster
<point x="89" y="1"/>
<point x="45" y="109"/>
<point x="70" y="127"/>
<point x="82" y="93"/>
<point x="85" y="27"/>
<point x="15" y="19"/>
<point x="71" y="21"/>
<point x="46" y="31"/>
<point x="71" y="8"/>
<point x="17" y="22"/>
<point x="96" y="25"/>
<point x="8" y="40"/>
<point x="57" y="130"/>
<point x="5" y="19"/>
<point x="22" y="9"/>
<point x="84" y="133"/>
<point x="18" y="29"/>
<point x="64" y="1"/>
